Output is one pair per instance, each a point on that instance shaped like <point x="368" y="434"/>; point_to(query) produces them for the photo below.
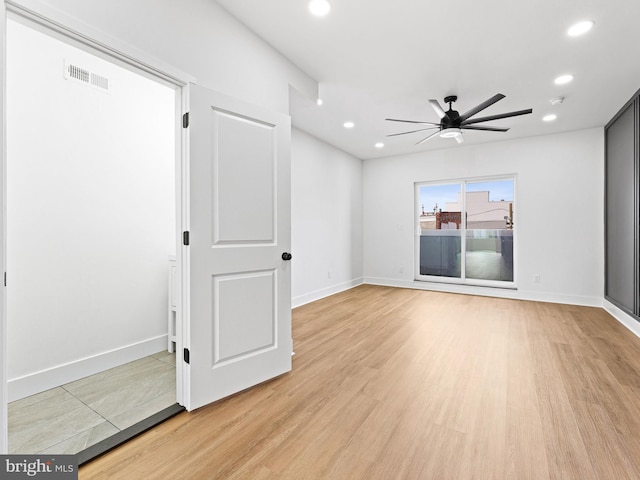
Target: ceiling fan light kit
<point x="450" y="132"/>
<point x="452" y="123"/>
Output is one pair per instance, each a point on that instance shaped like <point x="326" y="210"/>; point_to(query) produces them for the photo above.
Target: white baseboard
<point x="324" y="292"/>
<point x="37" y="382"/>
<point x="488" y="291"/>
<point x="631" y="323"/>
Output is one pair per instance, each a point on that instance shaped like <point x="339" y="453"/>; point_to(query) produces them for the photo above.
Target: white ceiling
<point x="375" y="59"/>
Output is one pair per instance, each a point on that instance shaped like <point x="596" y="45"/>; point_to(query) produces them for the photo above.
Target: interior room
<point x="403" y="366"/>
<point x="91" y="229"/>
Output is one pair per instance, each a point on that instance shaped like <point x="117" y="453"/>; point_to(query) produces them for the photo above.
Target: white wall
<point x="90" y="213"/>
<point x="326" y="225"/>
<point x="198" y="38"/>
<point x="558" y="214"/>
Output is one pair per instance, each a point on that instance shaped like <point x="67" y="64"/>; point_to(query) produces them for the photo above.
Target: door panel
<point x="244" y="193"/>
<point x="243" y="328"/>
<point x="239" y="331"/>
<point x="620" y="204"/>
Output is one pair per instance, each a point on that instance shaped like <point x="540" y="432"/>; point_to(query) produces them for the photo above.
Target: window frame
<point x="463" y="280"/>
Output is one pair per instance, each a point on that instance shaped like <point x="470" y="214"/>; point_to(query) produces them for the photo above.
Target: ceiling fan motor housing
<point x="452" y="115"/>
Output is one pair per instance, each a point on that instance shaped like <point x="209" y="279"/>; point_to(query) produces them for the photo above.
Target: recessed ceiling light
<point x="549" y="118"/>
<point x="319" y="7"/>
<point x="319" y="101"/>
<point x="580" y="28"/>
<point x="379" y="145"/>
<point x="349" y="124"/>
<point x="562" y="79"/>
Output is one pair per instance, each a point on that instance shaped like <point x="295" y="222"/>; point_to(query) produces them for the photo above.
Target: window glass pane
<point x="489" y="234"/>
<point x="440" y="230"/>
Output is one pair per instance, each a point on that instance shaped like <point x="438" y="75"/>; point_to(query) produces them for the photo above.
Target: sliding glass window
<point x="466" y="231"/>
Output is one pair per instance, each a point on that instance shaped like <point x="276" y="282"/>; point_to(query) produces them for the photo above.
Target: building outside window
<point x="466" y="231"/>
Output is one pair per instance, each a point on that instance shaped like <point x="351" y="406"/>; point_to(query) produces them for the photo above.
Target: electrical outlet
<point x="329" y="274"/>
<point x="536" y="278"/>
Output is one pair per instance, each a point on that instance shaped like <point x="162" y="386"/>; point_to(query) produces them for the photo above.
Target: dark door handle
<point x="287" y="256"/>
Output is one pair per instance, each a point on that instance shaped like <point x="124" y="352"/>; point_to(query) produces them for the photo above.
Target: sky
<point x="440" y="194"/>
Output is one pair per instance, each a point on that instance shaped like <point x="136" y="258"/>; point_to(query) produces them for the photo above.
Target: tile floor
<point x="70" y="418"/>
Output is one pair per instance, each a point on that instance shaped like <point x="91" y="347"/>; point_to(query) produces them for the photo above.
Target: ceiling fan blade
<point x="429" y="137"/>
<point x="412" y="131"/>
<point x="410" y="121"/>
<point x="497" y="117"/>
<point x="482" y="106"/>
<point x="438" y="109"/>
<point x="459" y="138"/>
<point x="488" y="129"/>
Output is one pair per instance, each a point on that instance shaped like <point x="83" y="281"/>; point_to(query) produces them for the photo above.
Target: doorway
<point x="91" y="227"/>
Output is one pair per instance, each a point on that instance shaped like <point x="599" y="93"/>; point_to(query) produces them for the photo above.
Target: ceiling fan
<point x="452" y="123"/>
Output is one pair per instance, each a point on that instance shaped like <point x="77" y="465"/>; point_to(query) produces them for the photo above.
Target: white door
<point x="239" y="332"/>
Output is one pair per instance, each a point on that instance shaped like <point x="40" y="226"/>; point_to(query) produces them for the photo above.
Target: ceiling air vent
<point x="82" y="75"/>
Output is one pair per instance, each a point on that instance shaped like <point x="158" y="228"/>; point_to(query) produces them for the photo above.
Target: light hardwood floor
<point x="406" y="384"/>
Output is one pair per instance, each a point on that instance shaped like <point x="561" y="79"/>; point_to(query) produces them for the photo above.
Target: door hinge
<point x="185" y="238"/>
<point x="185" y="120"/>
<point x="186" y="355"/>
<point x="5" y="279"/>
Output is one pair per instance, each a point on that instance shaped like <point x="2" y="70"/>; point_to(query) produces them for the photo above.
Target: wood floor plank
<point x="525" y="457"/>
<point x="392" y="383"/>
<point x="599" y="435"/>
<point x="566" y="453"/>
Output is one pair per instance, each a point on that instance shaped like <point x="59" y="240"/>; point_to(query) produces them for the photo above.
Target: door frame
<point x="70" y="31"/>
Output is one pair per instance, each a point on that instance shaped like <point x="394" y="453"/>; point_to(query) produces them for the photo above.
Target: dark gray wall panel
<point x="620" y="212"/>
